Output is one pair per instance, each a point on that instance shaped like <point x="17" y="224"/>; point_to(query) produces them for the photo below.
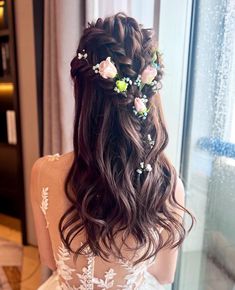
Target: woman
<point x="108" y="215"/>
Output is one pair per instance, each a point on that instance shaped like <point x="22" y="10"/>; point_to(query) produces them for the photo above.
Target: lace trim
<point x="136" y="273"/>
<point x="134" y="278"/>
<point x="44" y="203"/>
<point x="53" y="157"/>
<point x="63" y="270"/>
<point x="86" y="278"/>
<point x="108" y="282"/>
<point x="44" y="192"/>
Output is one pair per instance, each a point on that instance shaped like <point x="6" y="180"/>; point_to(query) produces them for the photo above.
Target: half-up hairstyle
<point x="106" y="191"/>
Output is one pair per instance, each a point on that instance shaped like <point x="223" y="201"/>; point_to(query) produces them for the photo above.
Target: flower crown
<point x="107" y="70"/>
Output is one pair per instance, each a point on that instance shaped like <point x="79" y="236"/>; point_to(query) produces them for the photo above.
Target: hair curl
<point x="106" y="193"/>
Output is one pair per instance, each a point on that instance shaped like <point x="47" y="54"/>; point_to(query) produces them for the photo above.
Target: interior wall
<point x="28" y="98"/>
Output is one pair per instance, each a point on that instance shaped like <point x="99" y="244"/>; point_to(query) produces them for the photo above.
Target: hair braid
<point x="138" y="49"/>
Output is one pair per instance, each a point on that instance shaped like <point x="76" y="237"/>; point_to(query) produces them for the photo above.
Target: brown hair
<point x="106" y="192"/>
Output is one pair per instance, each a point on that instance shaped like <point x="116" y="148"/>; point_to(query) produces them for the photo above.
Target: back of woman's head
<point x="120" y="179"/>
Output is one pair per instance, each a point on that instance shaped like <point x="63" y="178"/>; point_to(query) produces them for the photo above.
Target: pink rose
<point x="139" y="105"/>
<point x="148" y="74"/>
<point x="107" y="69"/>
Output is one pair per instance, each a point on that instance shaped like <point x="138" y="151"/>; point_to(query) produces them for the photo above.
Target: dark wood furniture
<point x="12" y="201"/>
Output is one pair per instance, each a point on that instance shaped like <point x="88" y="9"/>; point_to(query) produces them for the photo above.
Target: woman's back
<point x="88" y="271"/>
<point x="115" y="201"/>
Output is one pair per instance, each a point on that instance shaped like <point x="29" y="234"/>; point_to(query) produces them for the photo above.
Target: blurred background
<point x="38" y="39"/>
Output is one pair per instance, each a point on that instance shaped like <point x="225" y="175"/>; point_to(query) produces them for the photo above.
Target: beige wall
<point x="27" y="92"/>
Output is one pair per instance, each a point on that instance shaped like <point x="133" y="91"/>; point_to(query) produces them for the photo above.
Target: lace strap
<point x="44" y="203"/>
<point x="45" y="190"/>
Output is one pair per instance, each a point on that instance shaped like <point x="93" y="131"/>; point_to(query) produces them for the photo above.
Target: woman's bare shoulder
<point x="49" y="171"/>
<point x="66" y="157"/>
<point x="52" y="165"/>
<point x="180" y="191"/>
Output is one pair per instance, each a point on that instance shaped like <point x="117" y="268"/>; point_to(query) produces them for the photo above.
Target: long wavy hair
<point x="107" y="195"/>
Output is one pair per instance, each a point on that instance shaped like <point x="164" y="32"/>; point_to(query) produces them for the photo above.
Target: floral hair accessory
<point x="138" y="81"/>
<point x="106" y="69"/>
<point x="151" y="142"/>
<point x="144" y="167"/>
<point x="122" y="85"/>
<point x="82" y="55"/>
<point x="148" y="74"/>
<point x="140" y="108"/>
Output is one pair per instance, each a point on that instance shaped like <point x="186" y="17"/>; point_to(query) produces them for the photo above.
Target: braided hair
<point x="106" y="192"/>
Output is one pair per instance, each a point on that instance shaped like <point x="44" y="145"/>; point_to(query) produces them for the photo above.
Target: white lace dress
<point x="68" y="276"/>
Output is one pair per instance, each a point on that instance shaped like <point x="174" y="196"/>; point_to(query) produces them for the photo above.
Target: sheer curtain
<point x="139" y="9"/>
<point x="62" y="28"/>
<point x="63" y="22"/>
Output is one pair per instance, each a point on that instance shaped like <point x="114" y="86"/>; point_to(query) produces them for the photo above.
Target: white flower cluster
<point x="151" y="142"/>
<point x="144" y="167"/>
<point x="140" y="108"/>
<point x="127" y="80"/>
<point x="96" y="68"/>
<point x="82" y="55"/>
<point x="138" y="81"/>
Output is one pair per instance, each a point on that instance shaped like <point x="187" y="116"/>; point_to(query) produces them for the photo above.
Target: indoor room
<point x="117" y="144"/>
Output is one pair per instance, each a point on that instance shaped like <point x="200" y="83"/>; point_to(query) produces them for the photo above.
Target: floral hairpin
<point x="140" y="108"/>
<point x="82" y="55"/>
<point x="106" y="68"/>
<point x="138" y="81"/>
<point x="151" y="142"/>
<point x="144" y="167"/>
<point x="148" y="75"/>
<point x="122" y="84"/>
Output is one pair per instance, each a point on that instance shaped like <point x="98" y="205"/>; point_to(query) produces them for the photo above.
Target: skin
<point x="163" y="269"/>
<point x="43" y="238"/>
<point x="165" y="266"/>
